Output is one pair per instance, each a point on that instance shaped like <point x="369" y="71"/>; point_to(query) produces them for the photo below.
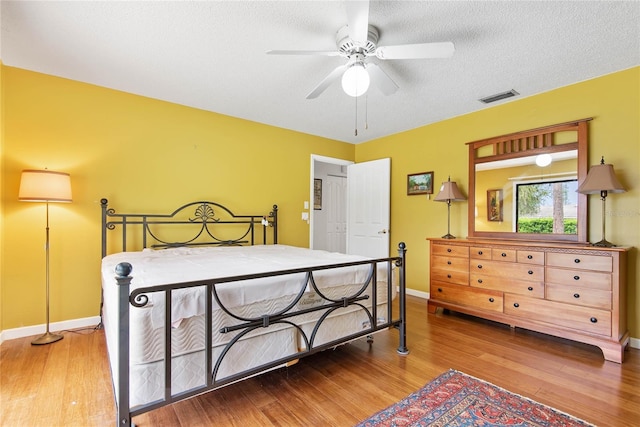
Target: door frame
<point x="322" y="159"/>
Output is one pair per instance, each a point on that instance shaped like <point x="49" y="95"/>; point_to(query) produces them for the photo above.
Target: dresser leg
<point x="614" y="351"/>
<point x="431" y="308"/>
<point x="613" y="354"/>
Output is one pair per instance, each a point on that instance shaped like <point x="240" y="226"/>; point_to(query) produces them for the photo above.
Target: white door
<point x="336" y="197"/>
<point x="368" y="194"/>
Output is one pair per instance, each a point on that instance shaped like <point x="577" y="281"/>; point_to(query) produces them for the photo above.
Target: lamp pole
<point x="48" y="337"/>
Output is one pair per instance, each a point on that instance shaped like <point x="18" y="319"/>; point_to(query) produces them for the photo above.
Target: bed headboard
<point x="203" y="223"/>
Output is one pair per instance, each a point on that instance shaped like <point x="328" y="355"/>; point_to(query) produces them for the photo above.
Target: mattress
<point x="247" y="299"/>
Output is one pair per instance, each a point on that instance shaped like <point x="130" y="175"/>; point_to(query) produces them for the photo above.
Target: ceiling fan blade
<point x="304" y="52"/>
<point x="358" y="20"/>
<point x="381" y="80"/>
<point x="416" y="51"/>
<point x="324" y="84"/>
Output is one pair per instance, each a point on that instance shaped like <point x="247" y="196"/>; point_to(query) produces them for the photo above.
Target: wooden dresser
<point x="566" y="290"/>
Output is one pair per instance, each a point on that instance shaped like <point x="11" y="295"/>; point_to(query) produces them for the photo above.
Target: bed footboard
<point x="382" y="310"/>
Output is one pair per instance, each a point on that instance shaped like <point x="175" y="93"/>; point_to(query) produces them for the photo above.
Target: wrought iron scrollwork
<point x="138" y="299"/>
<point x="204" y="213"/>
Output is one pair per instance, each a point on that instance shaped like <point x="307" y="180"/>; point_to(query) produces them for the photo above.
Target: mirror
<point x="523" y="185"/>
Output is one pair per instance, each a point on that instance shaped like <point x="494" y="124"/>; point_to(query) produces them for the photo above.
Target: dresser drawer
<point x="464" y="295"/>
<point x="480" y="253"/>
<point x="507" y="270"/>
<point x="520" y="287"/>
<point x="449" y="263"/>
<point x="530" y="257"/>
<point x="579" y="261"/>
<point x="584" y="319"/>
<point x="582" y="278"/>
<point x="450" y="276"/>
<point x="503" y="254"/>
<point x="581" y="296"/>
<point x="450" y="250"/>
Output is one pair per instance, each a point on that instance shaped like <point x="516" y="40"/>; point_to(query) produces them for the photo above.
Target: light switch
<point x="306" y="204"/>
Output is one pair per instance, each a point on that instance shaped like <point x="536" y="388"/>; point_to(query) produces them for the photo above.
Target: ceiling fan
<point x="357" y="42"/>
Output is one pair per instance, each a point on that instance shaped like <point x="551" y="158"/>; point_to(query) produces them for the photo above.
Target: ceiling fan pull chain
<point x="355" y="98"/>
<point x="366" y="112"/>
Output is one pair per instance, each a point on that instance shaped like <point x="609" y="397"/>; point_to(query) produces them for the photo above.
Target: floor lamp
<point x="601" y="179"/>
<point x="449" y="192"/>
<point x="45" y="186"/>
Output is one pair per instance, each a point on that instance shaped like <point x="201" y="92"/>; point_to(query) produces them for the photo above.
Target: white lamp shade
<point x="355" y="81"/>
<point x="44" y="186"/>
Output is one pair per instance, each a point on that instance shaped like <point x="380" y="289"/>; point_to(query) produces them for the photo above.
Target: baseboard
<point x="419" y="294"/>
<point x="27" y="331"/>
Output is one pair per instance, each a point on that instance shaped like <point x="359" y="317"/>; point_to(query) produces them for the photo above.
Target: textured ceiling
<point x="211" y="54"/>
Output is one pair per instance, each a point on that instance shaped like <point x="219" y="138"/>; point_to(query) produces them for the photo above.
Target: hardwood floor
<point x="68" y="383"/>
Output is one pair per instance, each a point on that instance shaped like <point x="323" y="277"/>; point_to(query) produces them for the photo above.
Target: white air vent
<point x="499" y="96"/>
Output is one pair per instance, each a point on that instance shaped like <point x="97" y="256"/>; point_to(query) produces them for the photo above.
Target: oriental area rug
<point x="455" y="399"/>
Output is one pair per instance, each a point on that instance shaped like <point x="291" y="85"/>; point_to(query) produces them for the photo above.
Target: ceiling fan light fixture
<point x="355" y="81"/>
<point x="543" y="160"/>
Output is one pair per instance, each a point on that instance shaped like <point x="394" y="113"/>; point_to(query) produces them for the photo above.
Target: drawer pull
<point x="530" y="288"/>
<point x="577" y="260"/>
<point x="479" y="265"/>
<point x="479" y="252"/>
<point x="491" y="299"/>
<point x="529" y="256"/>
<point x="516" y="305"/>
<point x="594" y="320"/>
<point x="439" y="289"/>
<point x="503" y="254"/>
<point x="576" y="277"/>
<point x="530" y="271"/>
<point x="479" y="280"/>
<point x="449" y="262"/>
<point x="448" y="276"/>
<point x="576" y="295"/>
<point x="449" y="250"/>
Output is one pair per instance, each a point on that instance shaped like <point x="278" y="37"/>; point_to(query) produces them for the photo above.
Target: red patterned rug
<point x="455" y="399"/>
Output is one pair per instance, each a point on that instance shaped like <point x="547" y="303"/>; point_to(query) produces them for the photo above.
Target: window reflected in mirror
<point x="547" y="207"/>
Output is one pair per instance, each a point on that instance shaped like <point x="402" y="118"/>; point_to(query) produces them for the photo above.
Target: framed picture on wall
<point x="317" y="194"/>
<point x="420" y="183"/>
<point x="494" y="205"/>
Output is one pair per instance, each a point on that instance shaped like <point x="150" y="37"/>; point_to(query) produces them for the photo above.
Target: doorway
<point x="328" y="220"/>
<point x="351" y="206"/>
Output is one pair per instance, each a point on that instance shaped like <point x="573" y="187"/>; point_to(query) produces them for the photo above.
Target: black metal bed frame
<point x="204" y="216"/>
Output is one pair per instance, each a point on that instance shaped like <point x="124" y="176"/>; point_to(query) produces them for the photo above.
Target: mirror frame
<point x="530" y="143"/>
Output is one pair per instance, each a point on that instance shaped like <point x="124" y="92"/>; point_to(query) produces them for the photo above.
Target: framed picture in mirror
<point x="494" y="205"/>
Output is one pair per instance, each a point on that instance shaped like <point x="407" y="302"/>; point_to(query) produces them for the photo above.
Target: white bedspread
<point x="159" y="267"/>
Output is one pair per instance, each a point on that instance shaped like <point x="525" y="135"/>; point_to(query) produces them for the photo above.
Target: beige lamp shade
<point x="449" y="192"/>
<point x="44" y="186"/>
<point x="601" y="178"/>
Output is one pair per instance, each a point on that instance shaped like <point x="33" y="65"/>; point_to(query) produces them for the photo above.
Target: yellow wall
<point x="141" y="154"/>
<point x="147" y="154"/>
<point x="614" y="103"/>
<point x="1" y="189"/>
